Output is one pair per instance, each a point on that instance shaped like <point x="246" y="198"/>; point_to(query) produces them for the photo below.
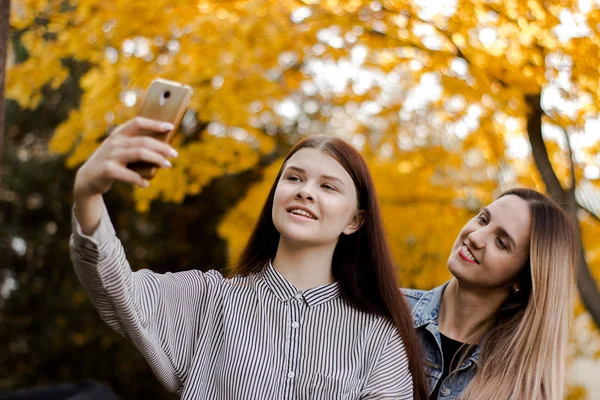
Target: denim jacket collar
<point x="425" y="314"/>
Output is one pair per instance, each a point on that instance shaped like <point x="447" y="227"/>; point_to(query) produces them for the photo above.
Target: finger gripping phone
<point x="164" y="101"/>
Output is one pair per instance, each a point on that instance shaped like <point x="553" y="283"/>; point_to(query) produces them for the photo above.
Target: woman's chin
<point x="307" y="240"/>
<point x="298" y="240"/>
<point x="457" y="266"/>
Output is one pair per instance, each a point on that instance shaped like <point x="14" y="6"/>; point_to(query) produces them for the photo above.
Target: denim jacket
<point x="425" y="306"/>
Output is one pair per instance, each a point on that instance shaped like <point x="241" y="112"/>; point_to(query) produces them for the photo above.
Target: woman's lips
<point x="465" y="256"/>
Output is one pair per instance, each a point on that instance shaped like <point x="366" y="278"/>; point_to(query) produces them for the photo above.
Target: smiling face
<point x="315" y="200"/>
<point x="492" y="248"/>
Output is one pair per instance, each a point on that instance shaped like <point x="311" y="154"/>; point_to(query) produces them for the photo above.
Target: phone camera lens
<point x="167" y="94"/>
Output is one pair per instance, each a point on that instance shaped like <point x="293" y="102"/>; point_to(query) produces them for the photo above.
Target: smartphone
<point x="164" y="101"/>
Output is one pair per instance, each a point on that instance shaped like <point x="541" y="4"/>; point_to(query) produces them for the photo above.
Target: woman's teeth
<point x="303" y="213"/>
<point x="467" y="253"/>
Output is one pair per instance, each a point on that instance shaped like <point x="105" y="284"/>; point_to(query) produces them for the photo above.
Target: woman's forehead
<point x="317" y="162"/>
<point x="513" y="214"/>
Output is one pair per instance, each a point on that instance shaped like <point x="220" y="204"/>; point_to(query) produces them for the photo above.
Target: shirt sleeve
<point x="390" y="377"/>
<point x="161" y="314"/>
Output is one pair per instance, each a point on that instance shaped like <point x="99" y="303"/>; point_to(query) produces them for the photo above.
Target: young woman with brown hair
<point x="313" y="311"/>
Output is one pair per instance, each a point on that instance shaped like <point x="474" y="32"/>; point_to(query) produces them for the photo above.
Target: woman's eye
<point x="481" y="219"/>
<point x="293" y="178"/>
<point x="501" y="244"/>
<point x="328" y="187"/>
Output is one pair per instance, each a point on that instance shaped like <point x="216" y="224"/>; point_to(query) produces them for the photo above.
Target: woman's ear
<point x="355" y="223"/>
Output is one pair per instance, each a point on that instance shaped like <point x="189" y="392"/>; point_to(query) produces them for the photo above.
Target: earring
<point x="516" y="289"/>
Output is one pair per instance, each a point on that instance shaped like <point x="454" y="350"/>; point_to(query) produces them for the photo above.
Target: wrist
<point x="80" y="191"/>
<point x="88" y="212"/>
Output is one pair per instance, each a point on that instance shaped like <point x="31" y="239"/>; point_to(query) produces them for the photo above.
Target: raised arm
<point x="160" y="314"/>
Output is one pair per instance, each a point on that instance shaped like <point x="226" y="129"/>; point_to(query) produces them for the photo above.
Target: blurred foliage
<point x="434" y="95"/>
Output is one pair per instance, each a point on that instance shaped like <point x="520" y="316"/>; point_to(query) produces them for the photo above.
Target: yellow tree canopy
<point x="245" y="57"/>
<point x="402" y="80"/>
<point x="437" y="97"/>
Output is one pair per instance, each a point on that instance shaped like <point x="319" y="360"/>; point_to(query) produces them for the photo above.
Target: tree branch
<point x="586" y="283"/>
<point x="588" y="287"/>
<point x="570" y="151"/>
<point x="538" y="148"/>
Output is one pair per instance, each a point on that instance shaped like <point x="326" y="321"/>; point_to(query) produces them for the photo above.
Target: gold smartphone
<point x="164" y="101"/>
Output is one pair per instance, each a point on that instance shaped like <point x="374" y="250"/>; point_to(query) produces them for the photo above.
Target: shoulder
<point x="216" y="277"/>
<point x="413" y="293"/>
<point x="212" y="276"/>
<point x="182" y="281"/>
<point x="242" y="284"/>
<point x="412" y="296"/>
<point x="213" y="285"/>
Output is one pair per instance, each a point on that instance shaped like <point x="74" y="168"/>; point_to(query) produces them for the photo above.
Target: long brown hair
<point x="362" y="262"/>
<point x="524" y="347"/>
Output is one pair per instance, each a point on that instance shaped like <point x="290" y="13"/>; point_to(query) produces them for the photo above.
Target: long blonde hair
<point x="524" y="347"/>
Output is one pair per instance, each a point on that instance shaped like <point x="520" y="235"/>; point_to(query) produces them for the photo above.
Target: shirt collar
<point x="285" y="291"/>
<point x="426" y="312"/>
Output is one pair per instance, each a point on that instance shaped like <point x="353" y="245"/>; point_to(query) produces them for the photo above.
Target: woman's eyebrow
<point x="501" y="231"/>
<point x="511" y="241"/>
<point x="329" y="177"/>
<point x="297" y="169"/>
<point x="333" y="178"/>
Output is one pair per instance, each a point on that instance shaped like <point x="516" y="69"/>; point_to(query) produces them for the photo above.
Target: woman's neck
<point x="304" y="267"/>
<point x="464" y="310"/>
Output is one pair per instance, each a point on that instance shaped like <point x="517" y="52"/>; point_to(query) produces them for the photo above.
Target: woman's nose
<point x="304" y="193"/>
<point x="477" y="238"/>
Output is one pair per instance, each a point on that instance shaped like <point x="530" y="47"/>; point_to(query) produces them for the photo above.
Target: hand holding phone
<point x="108" y="164"/>
<point x="164" y="101"/>
<point x="132" y="152"/>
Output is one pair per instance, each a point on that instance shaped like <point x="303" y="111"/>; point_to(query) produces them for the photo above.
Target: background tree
<point x="450" y="104"/>
<point x="4" y="29"/>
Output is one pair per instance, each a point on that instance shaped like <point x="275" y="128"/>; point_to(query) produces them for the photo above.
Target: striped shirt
<point x="252" y="337"/>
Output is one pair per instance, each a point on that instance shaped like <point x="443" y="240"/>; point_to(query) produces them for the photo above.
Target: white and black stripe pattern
<point x="255" y="337"/>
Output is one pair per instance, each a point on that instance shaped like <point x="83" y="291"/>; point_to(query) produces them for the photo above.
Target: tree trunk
<point x="4" y="28"/>
<point x="586" y="284"/>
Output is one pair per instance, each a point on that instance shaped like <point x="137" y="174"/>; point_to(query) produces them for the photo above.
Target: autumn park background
<point x="451" y="102"/>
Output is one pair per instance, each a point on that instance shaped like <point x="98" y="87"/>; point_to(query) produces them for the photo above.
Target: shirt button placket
<point x="293" y="336"/>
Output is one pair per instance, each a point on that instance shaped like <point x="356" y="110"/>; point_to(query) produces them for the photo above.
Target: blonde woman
<point x="499" y="328"/>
